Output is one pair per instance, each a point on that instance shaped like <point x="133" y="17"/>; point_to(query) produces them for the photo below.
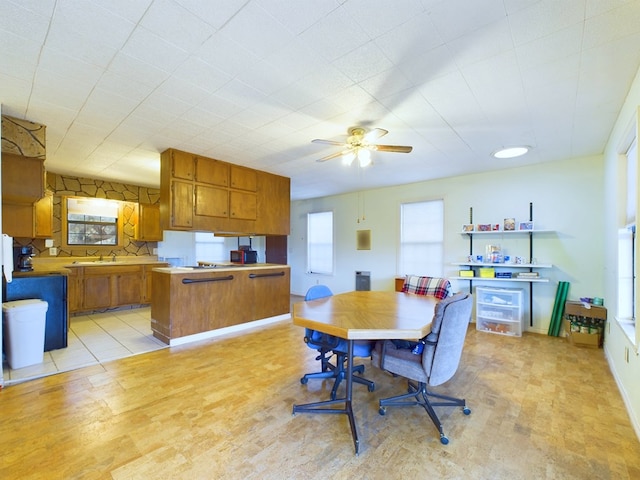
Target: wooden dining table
<point x="362" y="315"/>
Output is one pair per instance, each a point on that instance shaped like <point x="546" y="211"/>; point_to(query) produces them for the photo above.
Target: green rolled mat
<point x="555" y="324"/>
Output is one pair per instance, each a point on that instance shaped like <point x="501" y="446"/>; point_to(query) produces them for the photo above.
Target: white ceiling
<point x="252" y="82"/>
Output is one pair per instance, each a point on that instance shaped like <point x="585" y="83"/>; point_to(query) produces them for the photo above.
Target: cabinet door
<point x="17" y="220"/>
<point x="22" y="178"/>
<point x="43" y="217"/>
<point x="181" y="204"/>
<point x="147" y="283"/>
<point x="244" y="178"/>
<point x="242" y="205"/>
<point x="213" y="172"/>
<point x="212" y="202"/>
<point x="128" y="287"/>
<point x="271" y="294"/>
<point x="148" y="228"/>
<point x="96" y="292"/>
<point x="74" y="292"/>
<point x="274" y="208"/>
<point x="182" y="165"/>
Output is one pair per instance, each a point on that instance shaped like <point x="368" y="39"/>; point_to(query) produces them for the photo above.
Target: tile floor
<point x="94" y="339"/>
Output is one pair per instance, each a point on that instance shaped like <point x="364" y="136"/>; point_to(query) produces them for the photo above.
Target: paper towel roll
<point x="7" y="257"/>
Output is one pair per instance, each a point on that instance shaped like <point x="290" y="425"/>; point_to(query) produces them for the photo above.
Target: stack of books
<point x="527" y="275"/>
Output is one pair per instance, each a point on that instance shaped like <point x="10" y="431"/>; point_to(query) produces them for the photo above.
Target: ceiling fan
<point x="359" y="144"/>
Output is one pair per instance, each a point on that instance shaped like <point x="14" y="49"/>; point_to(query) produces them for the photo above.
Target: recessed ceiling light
<point x="511" y="152"/>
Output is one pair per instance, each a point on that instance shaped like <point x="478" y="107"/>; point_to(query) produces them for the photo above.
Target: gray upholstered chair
<point x="437" y="364"/>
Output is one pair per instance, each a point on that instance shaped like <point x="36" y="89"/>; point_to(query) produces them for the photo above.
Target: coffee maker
<point x="24" y="259"/>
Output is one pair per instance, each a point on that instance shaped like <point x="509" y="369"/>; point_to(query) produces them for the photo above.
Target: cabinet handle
<point x="204" y="280"/>
<point x="260" y="275"/>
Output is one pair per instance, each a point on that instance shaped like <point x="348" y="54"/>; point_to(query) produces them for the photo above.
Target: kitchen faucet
<point x="113" y="257"/>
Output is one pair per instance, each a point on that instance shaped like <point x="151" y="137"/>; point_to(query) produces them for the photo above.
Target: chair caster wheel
<point x="466" y="411"/>
<point x="304" y="380"/>
<point x="371" y="387"/>
<point x="382" y="411"/>
<point x="444" y="440"/>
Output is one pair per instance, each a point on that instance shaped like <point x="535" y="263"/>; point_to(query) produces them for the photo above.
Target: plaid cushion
<point x="437" y="287"/>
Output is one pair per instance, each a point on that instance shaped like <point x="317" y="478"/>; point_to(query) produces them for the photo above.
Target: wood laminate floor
<point x="221" y="409"/>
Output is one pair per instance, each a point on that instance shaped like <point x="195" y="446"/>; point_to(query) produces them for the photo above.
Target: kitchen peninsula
<point x="191" y="303"/>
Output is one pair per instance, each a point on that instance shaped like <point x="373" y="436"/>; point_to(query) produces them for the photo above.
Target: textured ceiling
<point x="252" y="82"/>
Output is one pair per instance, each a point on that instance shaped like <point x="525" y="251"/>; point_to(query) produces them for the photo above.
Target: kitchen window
<point x="210" y="248"/>
<point x="422" y="238"/>
<point x="320" y="242"/>
<point x="92" y="222"/>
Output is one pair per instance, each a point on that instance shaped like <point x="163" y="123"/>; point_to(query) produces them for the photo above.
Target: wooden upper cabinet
<point x="211" y="201"/>
<point x="242" y="205"/>
<point x="182" y="165"/>
<point x="181" y="204"/>
<point x="204" y="194"/>
<point x="43" y="217"/>
<point x="22" y="178"/>
<point x="148" y="225"/>
<point x="244" y="178"/>
<point x="274" y="210"/>
<point x="24" y="220"/>
<point x="17" y="220"/>
<point x="213" y="172"/>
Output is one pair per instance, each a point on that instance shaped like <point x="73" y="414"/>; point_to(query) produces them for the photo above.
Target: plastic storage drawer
<point x="499" y="310"/>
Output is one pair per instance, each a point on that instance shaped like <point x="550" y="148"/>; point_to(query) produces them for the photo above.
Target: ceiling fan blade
<point x="333" y="155"/>
<point x="328" y="142"/>
<point x="375" y="134"/>
<point x="393" y="148"/>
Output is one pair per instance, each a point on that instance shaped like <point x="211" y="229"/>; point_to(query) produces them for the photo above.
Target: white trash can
<point x="24" y="324"/>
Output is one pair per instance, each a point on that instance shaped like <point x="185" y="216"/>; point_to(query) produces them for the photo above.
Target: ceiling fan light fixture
<point x="511" y="152"/>
<point x="348" y="157"/>
<point x="364" y="157"/>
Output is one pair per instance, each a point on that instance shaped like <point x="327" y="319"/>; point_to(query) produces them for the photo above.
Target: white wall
<point x="178" y="248"/>
<point x="567" y="197"/>
<point x="621" y="351"/>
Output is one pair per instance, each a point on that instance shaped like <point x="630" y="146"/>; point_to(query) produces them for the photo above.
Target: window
<point x="210" y="248"/>
<point x="422" y="238"/>
<point x="320" y="242"/>
<point x="91" y="221"/>
<point x="627" y="247"/>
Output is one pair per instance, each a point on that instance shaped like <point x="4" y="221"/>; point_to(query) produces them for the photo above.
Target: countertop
<point x="217" y="267"/>
<point x="61" y="265"/>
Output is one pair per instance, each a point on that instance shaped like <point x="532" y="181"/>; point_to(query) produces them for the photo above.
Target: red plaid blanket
<point x="437" y="287"/>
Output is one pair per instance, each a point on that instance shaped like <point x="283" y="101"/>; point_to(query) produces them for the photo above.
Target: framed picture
<point x="495" y="227"/>
<point x="509" y="224"/>
<point x="484" y="227"/>
<point x="467" y="227"/>
<point x="363" y="239"/>
<point x="526" y="225"/>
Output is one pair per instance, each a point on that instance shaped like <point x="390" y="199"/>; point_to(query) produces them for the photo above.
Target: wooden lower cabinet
<point x="270" y="292"/>
<point x="196" y="302"/>
<point x="109" y="286"/>
<point x="74" y="290"/>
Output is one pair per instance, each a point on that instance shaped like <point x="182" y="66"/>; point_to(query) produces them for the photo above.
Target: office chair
<point x="328" y="345"/>
<point x="437" y="363"/>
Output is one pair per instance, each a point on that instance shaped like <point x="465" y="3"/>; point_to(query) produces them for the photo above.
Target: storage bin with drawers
<point x="499" y="310"/>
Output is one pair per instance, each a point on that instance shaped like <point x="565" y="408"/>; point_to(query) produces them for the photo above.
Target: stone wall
<point x="63" y="186"/>
<point x="23" y="137"/>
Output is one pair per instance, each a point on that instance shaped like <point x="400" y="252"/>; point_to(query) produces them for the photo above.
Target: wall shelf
<point x="530" y="267"/>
